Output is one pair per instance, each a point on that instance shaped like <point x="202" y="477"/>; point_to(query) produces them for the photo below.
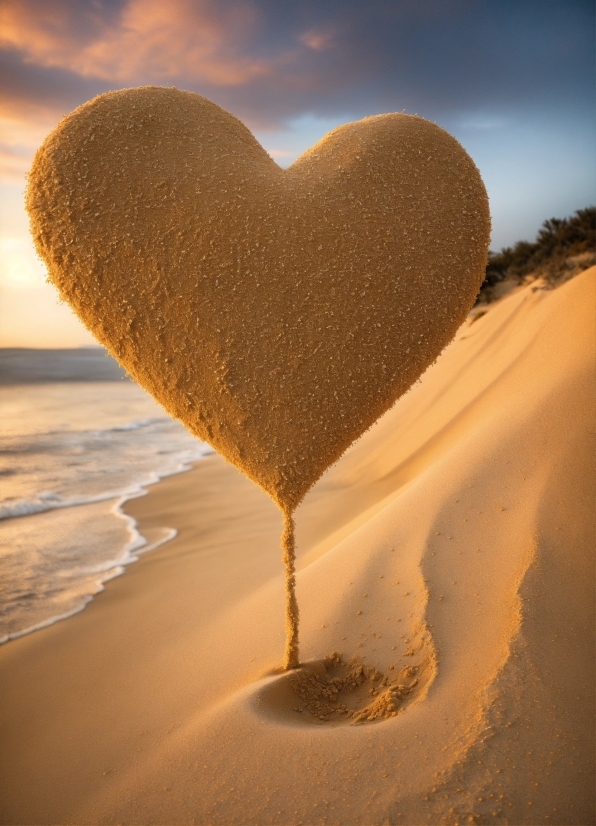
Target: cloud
<point x="318" y="40"/>
<point x="14" y="164"/>
<point x="147" y="40"/>
<point x="281" y="154"/>
<point x="29" y="110"/>
<point x="22" y="131"/>
<point x="293" y="69"/>
<point x="269" y="61"/>
<point x="33" y="99"/>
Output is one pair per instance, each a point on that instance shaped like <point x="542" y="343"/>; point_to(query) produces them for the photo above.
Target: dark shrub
<point x="558" y="239"/>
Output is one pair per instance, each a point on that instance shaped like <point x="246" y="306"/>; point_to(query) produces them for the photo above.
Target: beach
<point x="77" y="441"/>
<point x="454" y="539"/>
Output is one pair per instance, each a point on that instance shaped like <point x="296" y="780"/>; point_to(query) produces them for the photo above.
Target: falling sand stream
<point x="276" y="313"/>
<point x="288" y="544"/>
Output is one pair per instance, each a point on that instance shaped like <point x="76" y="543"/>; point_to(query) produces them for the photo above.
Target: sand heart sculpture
<point x="276" y="313"/>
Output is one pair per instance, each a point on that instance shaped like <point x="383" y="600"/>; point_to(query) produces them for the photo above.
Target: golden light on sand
<point x="458" y="529"/>
<point x="276" y="313"/>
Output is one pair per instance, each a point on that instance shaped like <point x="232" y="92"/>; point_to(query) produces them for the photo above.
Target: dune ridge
<point x="456" y="535"/>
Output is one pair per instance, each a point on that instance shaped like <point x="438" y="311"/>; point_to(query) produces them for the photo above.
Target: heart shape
<point x="276" y="313"/>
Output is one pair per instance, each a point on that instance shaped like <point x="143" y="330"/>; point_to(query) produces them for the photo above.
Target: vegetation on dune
<point x="563" y="247"/>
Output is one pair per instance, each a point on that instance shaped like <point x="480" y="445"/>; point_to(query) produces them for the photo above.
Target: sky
<point x="512" y="80"/>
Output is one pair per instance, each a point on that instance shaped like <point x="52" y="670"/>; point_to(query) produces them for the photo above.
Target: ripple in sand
<point x="338" y="692"/>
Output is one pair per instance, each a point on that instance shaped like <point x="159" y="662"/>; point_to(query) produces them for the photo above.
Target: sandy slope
<point x="455" y="537"/>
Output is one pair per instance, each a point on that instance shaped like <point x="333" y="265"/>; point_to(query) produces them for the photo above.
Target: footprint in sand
<point x="230" y="289"/>
<point x="336" y="692"/>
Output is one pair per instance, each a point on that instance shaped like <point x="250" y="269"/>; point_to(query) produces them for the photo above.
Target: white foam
<point x="108" y="571"/>
<point x="50" y="500"/>
<point x="70" y="457"/>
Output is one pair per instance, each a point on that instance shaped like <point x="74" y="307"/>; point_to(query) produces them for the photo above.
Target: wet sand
<point x="454" y="539"/>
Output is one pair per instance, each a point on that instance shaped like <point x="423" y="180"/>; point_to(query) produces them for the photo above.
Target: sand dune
<point x="451" y="546"/>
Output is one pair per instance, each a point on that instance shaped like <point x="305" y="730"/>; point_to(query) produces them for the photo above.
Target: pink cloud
<point x="14" y="165"/>
<point x="318" y="40"/>
<point x="149" y="39"/>
<point x="21" y="132"/>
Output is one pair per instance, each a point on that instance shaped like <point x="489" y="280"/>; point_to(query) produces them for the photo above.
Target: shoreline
<point x="460" y="524"/>
<point x="133" y="550"/>
<point x="72" y="455"/>
<point x="137" y="544"/>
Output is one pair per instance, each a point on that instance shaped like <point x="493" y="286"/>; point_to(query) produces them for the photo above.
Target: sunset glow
<point x="518" y="100"/>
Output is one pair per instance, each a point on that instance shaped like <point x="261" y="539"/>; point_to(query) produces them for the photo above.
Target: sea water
<point x="71" y="453"/>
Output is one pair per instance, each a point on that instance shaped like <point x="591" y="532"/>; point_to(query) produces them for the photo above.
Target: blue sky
<point x="512" y="81"/>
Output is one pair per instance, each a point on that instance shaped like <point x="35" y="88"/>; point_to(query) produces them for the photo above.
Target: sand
<point x="451" y="545"/>
<point x="232" y="289"/>
<point x="276" y="313"/>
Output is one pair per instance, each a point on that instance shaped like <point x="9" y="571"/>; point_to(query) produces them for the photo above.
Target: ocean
<point x="77" y="440"/>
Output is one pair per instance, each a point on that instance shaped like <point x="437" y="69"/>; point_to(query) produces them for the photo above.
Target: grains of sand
<point x="276" y="313"/>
